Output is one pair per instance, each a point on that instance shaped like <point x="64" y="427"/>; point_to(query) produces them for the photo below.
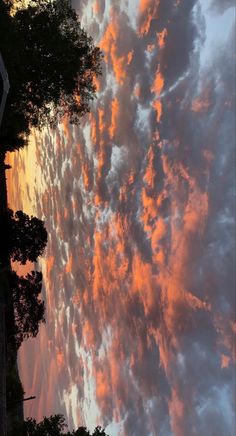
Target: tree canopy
<point x="53" y="426"/>
<point x="27" y="237"/>
<point x="51" y="63"/>
<point x="29" y="309"/>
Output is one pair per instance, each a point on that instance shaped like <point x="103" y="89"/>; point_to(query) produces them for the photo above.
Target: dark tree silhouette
<point x="27" y="237"/>
<point x="53" y="426"/>
<point x="51" y="63"/>
<point x="14" y="388"/>
<point x="29" y="309"/>
<point x="13" y="141"/>
<point x="15" y="127"/>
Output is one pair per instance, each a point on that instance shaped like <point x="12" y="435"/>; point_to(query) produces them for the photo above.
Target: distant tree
<point x="29" y="309"/>
<point x="53" y="426"/>
<point x="27" y="236"/>
<point x="14" y="141"/>
<point x="14" y="388"/>
<point x="51" y="63"/>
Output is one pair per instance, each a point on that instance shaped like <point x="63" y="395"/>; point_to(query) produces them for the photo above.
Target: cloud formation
<point x="139" y="204"/>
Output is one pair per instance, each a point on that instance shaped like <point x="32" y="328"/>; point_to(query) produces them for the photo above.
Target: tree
<point x="14" y="141"/>
<point x="14" y="388"/>
<point x="15" y="127"/>
<point x="29" y="309"/>
<point x="51" y="63"/>
<point x="53" y="426"/>
<point x="27" y="236"/>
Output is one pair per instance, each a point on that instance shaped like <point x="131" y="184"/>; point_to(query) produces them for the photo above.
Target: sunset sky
<point x="139" y="204"/>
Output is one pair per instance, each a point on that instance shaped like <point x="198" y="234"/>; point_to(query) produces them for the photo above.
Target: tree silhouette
<point x="15" y="126"/>
<point x="27" y="237"/>
<point x="53" y="426"/>
<point x="29" y="309"/>
<point x="13" y="141"/>
<point x="51" y="63"/>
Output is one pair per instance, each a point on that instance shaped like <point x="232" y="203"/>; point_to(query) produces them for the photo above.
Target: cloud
<point x="148" y="10"/>
<point x="221" y="6"/>
<point x="139" y="205"/>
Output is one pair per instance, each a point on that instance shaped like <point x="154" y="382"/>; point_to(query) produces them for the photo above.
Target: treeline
<point x="23" y="238"/>
<point x="51" y="64"/>
<point x="54" y="425"/>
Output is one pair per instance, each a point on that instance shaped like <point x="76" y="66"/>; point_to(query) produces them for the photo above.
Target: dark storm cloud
<point x="181" y="34"/>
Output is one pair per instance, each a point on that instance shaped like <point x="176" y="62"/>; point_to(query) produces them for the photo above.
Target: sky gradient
<point x="139" y="204"/>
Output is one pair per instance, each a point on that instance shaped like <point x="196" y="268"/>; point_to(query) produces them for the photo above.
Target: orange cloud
<point x="50" y="261"/>
<point x="157" y="88"/>
<point x="158" y="83"/>
<point x="88" y="334"/>
<point x="97" y="83"/>
<point x="101" y="163"/>
<point x="161" y="37"/>
<point x="60" y="359"/>
<point x="119" y="67"/>
<point x="109" y="46"/>
<point x="101" y="120"/>
<point x="66" y="127"/>
<point x="130" y="56"/>
<point x="157" y="105"/>
<point x="86" y="175"/>
<point x="115" y="112"/>
<point x="225" y="360"/>
<point x="96" y="7"/>
<point x="150" y="174"/>
<point x="148" y="10"/>
<point x="93" y="128"/>
<point x="69" y="264"/>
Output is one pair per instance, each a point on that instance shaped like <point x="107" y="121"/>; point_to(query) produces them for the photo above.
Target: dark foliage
<point x="53" y="426"/>
<point x="24" y="238"/>
<point x="14" y="388"/>
<point x="28" y="307"/>
<point x="15" y="127"/>
<point x="5" y="228"/>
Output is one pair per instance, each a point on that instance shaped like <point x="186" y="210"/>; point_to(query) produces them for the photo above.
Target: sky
<point x="139" y="205"/>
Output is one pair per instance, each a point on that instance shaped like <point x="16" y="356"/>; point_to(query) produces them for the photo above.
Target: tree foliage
<point x="53" y="426"/>
<point x="29" y="309"/>
<point x="15" y="126"/>
<point x="27" y="236"/>
<point x="14" y="389"/>
<point x="51" y="62"/>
